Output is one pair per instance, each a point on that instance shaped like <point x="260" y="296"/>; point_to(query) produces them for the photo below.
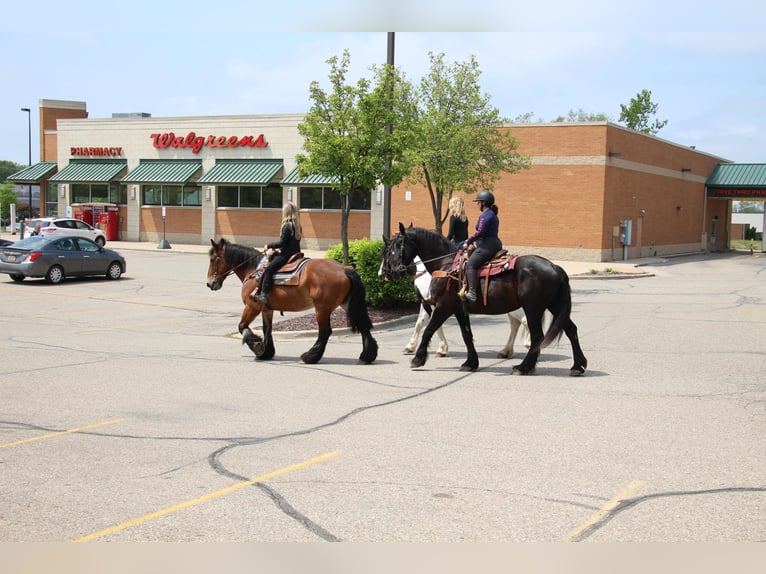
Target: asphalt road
<point x="130" y="412"/>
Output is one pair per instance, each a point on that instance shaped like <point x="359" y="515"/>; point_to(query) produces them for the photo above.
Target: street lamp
<point x="29" y="140"/>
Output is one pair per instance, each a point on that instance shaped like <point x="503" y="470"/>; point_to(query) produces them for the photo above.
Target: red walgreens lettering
<point x="196" y="143"/>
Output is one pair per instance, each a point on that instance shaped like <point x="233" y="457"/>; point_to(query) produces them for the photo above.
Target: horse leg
<point x="515" y="321"/>
<point x="268" y="346"/>
<point x="535" y="327"/>
<point x="422" y="318"/>
<point x="250" y="337"/>
<point x="443" y="348"/>
<point x="438" y="316"/>
<point x="472" y="362"/>
<point x="315" y="353"/>
<point x="580" y="362"/>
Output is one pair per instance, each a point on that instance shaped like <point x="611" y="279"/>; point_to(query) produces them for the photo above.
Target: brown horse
<point x="535" y="284"/>
<point x="323" y="284"/>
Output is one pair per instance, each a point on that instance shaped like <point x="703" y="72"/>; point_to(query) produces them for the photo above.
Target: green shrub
<point x="365" y="256"/>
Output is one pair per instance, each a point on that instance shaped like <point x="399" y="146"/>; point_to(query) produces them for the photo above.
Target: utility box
<point x="626" y="231"/>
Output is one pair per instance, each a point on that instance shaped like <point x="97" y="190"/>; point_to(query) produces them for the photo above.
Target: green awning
<point x="164" y="171"/>
<point x="312" y="180"/>
<point x="238" y="171"/>
<point x="737" y="181"/>
<point x="90" y="171"/>
<point x="33" y="173"/>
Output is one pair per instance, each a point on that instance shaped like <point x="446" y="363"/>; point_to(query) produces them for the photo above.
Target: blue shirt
<point x="487" y="226"/>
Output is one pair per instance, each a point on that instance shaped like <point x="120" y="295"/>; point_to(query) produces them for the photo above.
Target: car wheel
<point x="55" y="275"/>
<point x="17" y="277"/>
<point x="100" y="241"/>
<point x="114" y="271"/>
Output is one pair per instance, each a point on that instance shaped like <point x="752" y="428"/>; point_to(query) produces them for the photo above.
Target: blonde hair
<point x="457" y="208"/>
<point x="290" y="214"/>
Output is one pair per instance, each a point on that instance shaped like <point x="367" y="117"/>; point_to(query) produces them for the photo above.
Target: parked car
<point x="57" y="257"/>
<point x="65" y="226"/>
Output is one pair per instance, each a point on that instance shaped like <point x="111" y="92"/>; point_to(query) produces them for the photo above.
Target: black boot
<point x="261" y="297"/>
<point x="472" y="275"/>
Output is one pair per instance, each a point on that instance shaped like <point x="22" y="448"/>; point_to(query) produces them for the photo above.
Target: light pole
<point x="29" y="140"/>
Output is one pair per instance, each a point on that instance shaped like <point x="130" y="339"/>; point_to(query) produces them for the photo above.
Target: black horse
<point x="534" y="283"/>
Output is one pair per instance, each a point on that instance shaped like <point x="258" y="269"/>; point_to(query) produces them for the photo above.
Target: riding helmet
<point x="485" y="195"/>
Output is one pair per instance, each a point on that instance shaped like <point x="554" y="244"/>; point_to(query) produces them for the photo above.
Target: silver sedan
<point x="55" y="258"/>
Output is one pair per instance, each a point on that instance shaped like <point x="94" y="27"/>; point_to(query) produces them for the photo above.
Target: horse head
<point x="217" y="269"/>
<point x="398" y="256"/>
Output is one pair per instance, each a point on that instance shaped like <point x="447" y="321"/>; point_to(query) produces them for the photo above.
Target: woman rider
<point x="487" y="241"/>
<point x="289" y="244"/>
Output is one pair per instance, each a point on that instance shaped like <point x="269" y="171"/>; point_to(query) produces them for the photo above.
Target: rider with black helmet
<point x="487" y="241"/>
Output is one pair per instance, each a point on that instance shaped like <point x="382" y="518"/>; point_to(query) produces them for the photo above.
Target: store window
<point x="251" y="196"/>
<point x="90" y="193"/>
<point x="330" y="199"/>
<point x="51" y="199"/>
<point x="118" y="193"/>
<point x="172" y="195"/>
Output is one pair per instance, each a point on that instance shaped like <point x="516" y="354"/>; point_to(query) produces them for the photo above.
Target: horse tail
<point x="561" y="308"/>
<point x="358" y="316"/>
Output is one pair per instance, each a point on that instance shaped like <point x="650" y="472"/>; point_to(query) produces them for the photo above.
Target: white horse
<point x="422" y="279"/>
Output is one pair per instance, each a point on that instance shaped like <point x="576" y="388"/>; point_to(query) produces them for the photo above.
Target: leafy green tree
<point x="582" y="116"/>
<point x="639" y="113"/>
<point x="351" y="133"/>
<point x="748" y="206"/>
<point x="7" y="197"/>
<point x="7" y="168"/>
<point x="459" y="145"/>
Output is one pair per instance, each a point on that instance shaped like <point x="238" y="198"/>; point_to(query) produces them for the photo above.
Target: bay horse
<point x="323" y="284"/>
<point x="534" y="284"/>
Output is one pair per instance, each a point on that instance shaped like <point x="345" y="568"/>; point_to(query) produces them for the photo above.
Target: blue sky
<point x="704" y="61"/>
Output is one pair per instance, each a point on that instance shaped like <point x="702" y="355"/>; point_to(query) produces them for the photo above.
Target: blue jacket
<point x="487" y="228"/>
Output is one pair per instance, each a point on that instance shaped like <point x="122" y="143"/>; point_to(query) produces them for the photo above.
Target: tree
<point x="459" y="143"/>
<point x="638" y="114"/>
<point x="748" y="206"/>
<point x="582" y="116"/>
<point x="7" y="168"/>
<point x="352" y="136"/>
<point x="7" y="197"/>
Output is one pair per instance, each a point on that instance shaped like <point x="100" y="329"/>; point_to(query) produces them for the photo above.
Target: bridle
<point x="230" y="271"/>
<point x="401" y="269"/>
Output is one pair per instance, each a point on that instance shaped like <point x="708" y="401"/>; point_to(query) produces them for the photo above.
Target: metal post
<point x="387" y="188"/>
<point x="29" y="141"/>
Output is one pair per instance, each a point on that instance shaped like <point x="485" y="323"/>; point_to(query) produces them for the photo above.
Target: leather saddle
<point x="288" y="274"/>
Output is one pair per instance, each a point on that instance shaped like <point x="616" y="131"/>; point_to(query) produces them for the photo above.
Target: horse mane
<point x="426" y="235"/>
<point x="237" y="255"/>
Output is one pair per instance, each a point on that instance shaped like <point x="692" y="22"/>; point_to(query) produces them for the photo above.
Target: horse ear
<point x="401" y="228"/>
<point x="385" y="240"/>
<point x="411" y="225"/>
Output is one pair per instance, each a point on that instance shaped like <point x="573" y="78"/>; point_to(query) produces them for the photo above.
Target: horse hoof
<point x="441" y="354"/>
<point x="522" y="372"/>
<point x="504" y="355"/>
<point x="579" y="372"/>
<point x="467" y="369"/>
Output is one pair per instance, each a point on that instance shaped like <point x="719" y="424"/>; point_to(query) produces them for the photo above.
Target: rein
<point x="232" y="270"/>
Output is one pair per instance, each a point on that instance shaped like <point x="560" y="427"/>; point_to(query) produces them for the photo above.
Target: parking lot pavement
<point x="130" y="414"/>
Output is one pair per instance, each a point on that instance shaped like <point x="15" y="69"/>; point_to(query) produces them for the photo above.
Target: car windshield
<point x="30" y="242"/>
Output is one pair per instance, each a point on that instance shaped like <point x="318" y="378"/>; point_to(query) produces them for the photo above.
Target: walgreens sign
<point x="196" y="143"/>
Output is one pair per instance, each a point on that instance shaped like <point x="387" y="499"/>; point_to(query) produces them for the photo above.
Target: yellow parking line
<point x="53" y="434"/>
<point x="606" y="509"/>
<point x="205" y="497"/>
